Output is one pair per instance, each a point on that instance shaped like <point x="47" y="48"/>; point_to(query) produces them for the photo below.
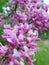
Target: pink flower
<point x="21" y="38"/>
<point x="3" y="50"/>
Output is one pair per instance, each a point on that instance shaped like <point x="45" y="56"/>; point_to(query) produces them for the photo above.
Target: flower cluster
<point x="39" y="19"/>
<point x="21" y="39"/>
<point x="2" y="21"/>
<point x="34" y="12"/>
<point x="27" y="17"/>
<point x="18" y="17"/>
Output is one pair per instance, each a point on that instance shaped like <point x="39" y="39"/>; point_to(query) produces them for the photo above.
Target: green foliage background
<point x="2" y="3"/>
<point x="44" y="34"/>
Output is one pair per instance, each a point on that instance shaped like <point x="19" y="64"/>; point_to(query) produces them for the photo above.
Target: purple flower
<point x="21" y="38"/>
<point x="3" y="50"/>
